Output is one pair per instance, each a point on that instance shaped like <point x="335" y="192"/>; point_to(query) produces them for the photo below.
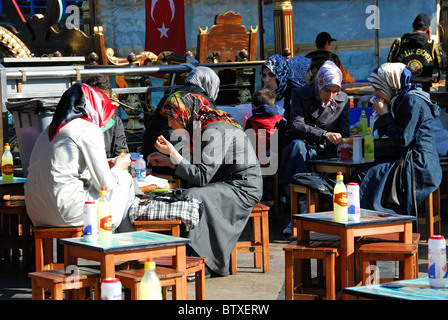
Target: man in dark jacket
<point x="323" y="53"/>
<point x="421" y="54"/>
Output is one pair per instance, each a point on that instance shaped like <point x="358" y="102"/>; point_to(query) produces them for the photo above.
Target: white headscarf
<point x="387" y="78"/>
<point x="206" y="79"/>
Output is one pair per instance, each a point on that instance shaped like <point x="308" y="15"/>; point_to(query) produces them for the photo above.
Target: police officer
<point x="423" y="56"/>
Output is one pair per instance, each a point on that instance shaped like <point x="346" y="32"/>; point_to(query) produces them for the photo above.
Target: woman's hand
<point x="334" y="137"/>
<point x="165" y="147"/>
<point x="123" y="162"/>
<point x="380" y="106"/>
<point x="156" y="159"/>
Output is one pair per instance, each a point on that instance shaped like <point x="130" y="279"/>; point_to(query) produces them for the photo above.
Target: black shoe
<point x="192" y="277"/>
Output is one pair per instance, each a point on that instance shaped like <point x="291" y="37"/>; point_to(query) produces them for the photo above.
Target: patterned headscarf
<point x="206" y="79"/>
<point x="391" y="79"/>
<point x="299" y="67"/>
<point x="282" y="71"/>
<point x="186" y="107"/>
<point x="81" y="101"/>
<point x="329" y="73"/>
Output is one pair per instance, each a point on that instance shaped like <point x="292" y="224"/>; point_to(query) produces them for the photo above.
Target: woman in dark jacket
<point x="277" y="75"/>
<point x="406" y="116"/>
<point x="319" y="120"/>
<point x="220" y="165"/>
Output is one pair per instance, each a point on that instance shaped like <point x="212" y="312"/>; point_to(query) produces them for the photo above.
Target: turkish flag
<point x="165" y="26"/>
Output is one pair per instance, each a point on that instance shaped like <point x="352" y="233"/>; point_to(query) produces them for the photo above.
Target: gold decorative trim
<point x="15" y="46"/>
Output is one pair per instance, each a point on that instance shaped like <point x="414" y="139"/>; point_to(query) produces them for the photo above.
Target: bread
<point x="148" y="188"/>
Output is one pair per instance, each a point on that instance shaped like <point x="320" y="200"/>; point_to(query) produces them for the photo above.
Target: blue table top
<point x="15" y="180"/>
<point x="127" y="241"/>
<point x="368" y="217"/>
<point x="339" y="162"/>
<point x="413" y="289"/>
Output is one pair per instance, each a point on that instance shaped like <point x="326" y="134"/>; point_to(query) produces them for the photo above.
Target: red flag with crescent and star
<point x="165" y="26"/>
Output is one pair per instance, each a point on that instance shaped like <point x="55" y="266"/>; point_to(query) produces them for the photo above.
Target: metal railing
<point x="18" y="83"/>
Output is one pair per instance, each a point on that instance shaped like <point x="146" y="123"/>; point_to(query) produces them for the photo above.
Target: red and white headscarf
<point x="81" y="101"/>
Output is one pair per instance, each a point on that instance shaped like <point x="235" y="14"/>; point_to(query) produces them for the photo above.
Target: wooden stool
<point x="56" y="281"/>
<point x="194" y="265"/>
<point x="131" y="279"/>
<point x="311" y="201"/>
<point x="370" y="253"/>
<point x="44" y="259"/>
<point x="433" y="218"/>
<point x="15" y="230"/>
<point x="314" y="250"/>
<point x="260" y="244"/>
<point x="159" y="225"/>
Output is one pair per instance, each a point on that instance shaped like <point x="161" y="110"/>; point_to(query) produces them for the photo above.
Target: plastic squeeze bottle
<point x="104" y="217"/>
<point x="150" y="288"/>
<point x="368" y="146"/>
<point x="7" y="165"/>
<point x="437" y="268"/>
<point x="340" y="200"/>
<point x="363" y="123"/>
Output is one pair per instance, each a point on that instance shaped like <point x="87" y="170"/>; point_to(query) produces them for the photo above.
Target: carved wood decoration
<point x="12" y="45"/>
<point x="42" y="35"/>
<point x="226" y="38"/>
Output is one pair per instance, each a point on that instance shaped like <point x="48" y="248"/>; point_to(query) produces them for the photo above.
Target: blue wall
<point x="346" y="21"/>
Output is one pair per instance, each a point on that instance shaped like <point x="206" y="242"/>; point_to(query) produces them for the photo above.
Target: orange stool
<point x="315" y="250"/>
<point x="370" y="253"/>
<point x="15" y="230"/>
<point x="131" y="279"/>
<point x="311" y="202"/>
<point x="194" y="265"/>
<point x="159" y="225"/>
<point x="259" y="246"/>
<point x="433" y="218"/>
<point x="44" y="253"/>
<point x="56" y="281"/>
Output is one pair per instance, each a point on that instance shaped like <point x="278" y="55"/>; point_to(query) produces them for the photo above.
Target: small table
<point x="371" y="223"/>
<point x="335" y="165"/>
<point x="14" y="218"/>
<point x="129" y="246"/>
<point x="13" y="188"/>
<point x="412" y="289"/>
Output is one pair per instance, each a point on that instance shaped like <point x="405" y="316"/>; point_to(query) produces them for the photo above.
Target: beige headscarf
<point x="387" y="79"/>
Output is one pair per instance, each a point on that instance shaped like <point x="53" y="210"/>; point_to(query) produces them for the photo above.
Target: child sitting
<point x="265" y="115"/>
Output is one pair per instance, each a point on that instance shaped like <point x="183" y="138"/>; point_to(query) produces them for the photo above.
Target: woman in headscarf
<point x="406" y="116"/>
<point x="277" y="76"/>
<point x="301" y="72"/>
<point x="216" y="158"/>
<point x="319" y="120"/>
<point x="68" y="165"/>
<point x="198" y="82"/>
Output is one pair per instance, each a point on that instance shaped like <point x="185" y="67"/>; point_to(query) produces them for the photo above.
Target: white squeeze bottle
<point x="104" y="217"/>
<point x="340" y="200"/>
<point x="7" y="165"/>
<point x="150" y="288"/>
